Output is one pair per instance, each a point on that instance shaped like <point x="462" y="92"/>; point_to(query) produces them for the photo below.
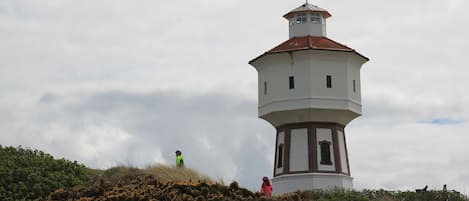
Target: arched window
<point x="325" y="152"/>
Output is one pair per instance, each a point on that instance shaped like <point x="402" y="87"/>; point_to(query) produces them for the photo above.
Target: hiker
<point x="445" y="193"/>
<point x="266" y="187"/>
<point x="179" y="159"/>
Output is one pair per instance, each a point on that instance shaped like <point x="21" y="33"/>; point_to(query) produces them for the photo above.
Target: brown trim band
<point x="304" y="172"/>
<point x="335" y="141"/>
<point x="286" y="165"/>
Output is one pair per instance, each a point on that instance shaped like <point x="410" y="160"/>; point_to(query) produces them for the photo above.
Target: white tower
<point x="309" y="90"/>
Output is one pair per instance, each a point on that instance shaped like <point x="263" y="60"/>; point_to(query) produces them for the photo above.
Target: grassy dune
<point x="162" y="182"/>
<point x="157" y="171"/>
<point x="32" y="175"/>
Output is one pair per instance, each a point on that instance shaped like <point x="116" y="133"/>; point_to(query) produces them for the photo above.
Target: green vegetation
<point x="27" y="174"/>
<point x="371" y="195"/>
<point x="149" y="188"/>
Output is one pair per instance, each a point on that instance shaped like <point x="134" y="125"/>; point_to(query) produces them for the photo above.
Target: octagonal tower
<point x="309" y="90"/>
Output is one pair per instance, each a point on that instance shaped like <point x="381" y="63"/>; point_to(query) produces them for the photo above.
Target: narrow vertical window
<point x="354" y="86"/>
<point x="325" y="153"/>
<point x="329" y="81"/>
<point x="291" y="80"/>
<point x="280" y="156"/>
<point x="265" y="88"/>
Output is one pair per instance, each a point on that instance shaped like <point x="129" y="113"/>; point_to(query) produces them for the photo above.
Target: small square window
<point x="315" y="18"/>
<point x="301" y="19"/>
<point x="291" y="82"/>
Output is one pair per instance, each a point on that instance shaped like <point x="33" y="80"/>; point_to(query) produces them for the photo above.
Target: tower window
<point x="291" y="82"/>
<point x="265" y="88"/>
<point x="354" y="86"/>
<point x="301" y="19"/>
<point x="280" y="156"/>
<point x="325" y="152"/>
<point x="315" y="18"/>
<point x="329" y="81"/>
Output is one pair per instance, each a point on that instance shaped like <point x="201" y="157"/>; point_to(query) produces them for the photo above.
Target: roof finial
<point x="306" y="1"/>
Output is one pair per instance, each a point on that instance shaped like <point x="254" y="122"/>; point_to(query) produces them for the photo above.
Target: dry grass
<point x="160" y="171"/>
<point x="175" y="174"/>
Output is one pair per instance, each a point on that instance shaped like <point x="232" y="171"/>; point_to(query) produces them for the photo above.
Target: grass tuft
<point x="160" y="171"/>
<point x="175" y="174"/>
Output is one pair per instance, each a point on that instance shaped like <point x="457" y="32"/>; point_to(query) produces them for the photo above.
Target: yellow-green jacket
<point x="179" y="161"/>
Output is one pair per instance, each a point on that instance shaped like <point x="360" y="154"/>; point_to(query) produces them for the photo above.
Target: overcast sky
<point x="112" y="82"/>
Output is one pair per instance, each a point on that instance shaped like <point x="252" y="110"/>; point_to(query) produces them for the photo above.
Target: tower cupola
<point x="307" y="20"/>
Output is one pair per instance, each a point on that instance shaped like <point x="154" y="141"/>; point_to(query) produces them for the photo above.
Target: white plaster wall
<point x="308" y="28"/>
<point x="343" y="154"/>
<point x="310" y="69"/>
<point x="276" y="72"/>
<point x="299" y="150"/>
<point x="325" y="134"/>
<point x="280" y="140"/>
<point x="329" y="64"/>
<point x="294" y="182"/>
<point x="353" y="73"/>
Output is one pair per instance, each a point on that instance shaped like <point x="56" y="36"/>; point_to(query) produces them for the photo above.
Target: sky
<point x="114" y="82"/>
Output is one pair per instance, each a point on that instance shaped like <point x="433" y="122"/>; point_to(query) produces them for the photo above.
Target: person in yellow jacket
<point x="179" y="159"/>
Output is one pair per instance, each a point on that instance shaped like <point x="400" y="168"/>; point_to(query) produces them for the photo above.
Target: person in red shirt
<point x="266" y="187"/>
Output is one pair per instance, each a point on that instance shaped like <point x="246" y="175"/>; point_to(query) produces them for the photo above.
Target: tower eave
<point x="308" y="8"/>
<point x="253" y="61"/>
<point x="289" y="15"/>
<point x="281" y="117"/>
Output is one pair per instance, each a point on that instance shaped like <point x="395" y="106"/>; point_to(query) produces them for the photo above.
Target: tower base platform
<point x="308" y="181"/>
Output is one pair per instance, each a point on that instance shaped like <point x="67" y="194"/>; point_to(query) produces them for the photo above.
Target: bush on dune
<point x="27" y="174"/>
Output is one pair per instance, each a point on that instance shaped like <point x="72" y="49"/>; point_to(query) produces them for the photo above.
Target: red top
<point x="266" y="189"/>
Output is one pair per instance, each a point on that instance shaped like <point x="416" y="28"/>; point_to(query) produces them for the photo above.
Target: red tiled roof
<point x="309" y="43"/>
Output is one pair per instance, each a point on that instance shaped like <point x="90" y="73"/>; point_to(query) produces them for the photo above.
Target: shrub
<point x="27" y="174"/>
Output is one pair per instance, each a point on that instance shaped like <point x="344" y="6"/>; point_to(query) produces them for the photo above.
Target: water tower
<point x="309" y="90"/>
